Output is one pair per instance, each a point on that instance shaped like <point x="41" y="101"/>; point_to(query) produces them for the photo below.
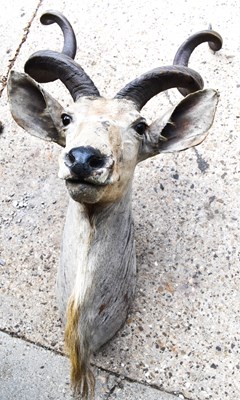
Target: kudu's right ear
<point x="34" y="109"/>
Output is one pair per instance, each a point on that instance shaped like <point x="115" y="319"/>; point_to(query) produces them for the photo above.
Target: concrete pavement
<point x="182" y="337"/>
<point x="31" y="372"/>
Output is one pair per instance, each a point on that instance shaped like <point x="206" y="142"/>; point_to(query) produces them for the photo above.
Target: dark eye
<point x="140" y="128"/>
<point x="66" y="119"/>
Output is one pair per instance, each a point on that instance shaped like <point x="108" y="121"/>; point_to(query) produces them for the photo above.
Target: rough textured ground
<point x="182" y="335"/>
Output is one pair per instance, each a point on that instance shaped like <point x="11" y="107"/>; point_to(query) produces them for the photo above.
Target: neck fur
<point x="98" y="266"/>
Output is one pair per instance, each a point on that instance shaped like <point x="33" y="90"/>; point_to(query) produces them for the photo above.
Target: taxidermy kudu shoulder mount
<point x="103" y="140"/>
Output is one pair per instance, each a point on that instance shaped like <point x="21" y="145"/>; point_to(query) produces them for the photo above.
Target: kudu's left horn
<point x="148" y="85"/>
<point x="185" y="50"/>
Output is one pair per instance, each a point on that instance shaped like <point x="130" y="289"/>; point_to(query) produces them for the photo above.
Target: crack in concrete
<point x="24" y="38"/>
<point x="167" y="95"/>
<point x="203" y="165"/>
<point x="112" y="384"/>
<point x="180" y="395"/>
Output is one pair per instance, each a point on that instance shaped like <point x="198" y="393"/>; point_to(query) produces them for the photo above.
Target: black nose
<point x="83" y="161"/>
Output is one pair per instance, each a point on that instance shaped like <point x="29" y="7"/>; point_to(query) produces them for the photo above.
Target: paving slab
<point x="182" y="334"/>
<point x="30" y="372"/>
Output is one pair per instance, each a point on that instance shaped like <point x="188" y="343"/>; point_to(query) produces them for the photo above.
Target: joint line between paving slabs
<point x="131" y="380"/>
<point x="25" y="35"/>
<point x="116" y="374"/>
<point x="42" y="346"/>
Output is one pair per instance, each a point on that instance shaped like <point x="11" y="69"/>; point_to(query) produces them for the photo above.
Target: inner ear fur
<point x="190" y="121"/>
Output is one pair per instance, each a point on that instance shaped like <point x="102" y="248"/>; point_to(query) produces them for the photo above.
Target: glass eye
<point x="140" y="128"/>
<point x="66" y="119"/>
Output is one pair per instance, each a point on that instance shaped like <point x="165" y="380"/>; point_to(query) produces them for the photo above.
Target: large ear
<point x="185" y="126"/>
<point x="34" y="109"/>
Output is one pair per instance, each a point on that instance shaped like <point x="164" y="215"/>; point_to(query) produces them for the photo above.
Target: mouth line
<point x="76" y="182"/>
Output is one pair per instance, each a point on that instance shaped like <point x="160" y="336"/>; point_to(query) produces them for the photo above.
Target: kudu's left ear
<point x="34" y="109"/>
<point x="185" y="126"/>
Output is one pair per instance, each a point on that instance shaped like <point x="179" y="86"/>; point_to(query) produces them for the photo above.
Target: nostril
<point x="96" y="162"/>
<point x="71" y="157"/>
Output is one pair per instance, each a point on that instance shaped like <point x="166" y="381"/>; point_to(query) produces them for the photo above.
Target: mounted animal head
<point x="103" y="139"/>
